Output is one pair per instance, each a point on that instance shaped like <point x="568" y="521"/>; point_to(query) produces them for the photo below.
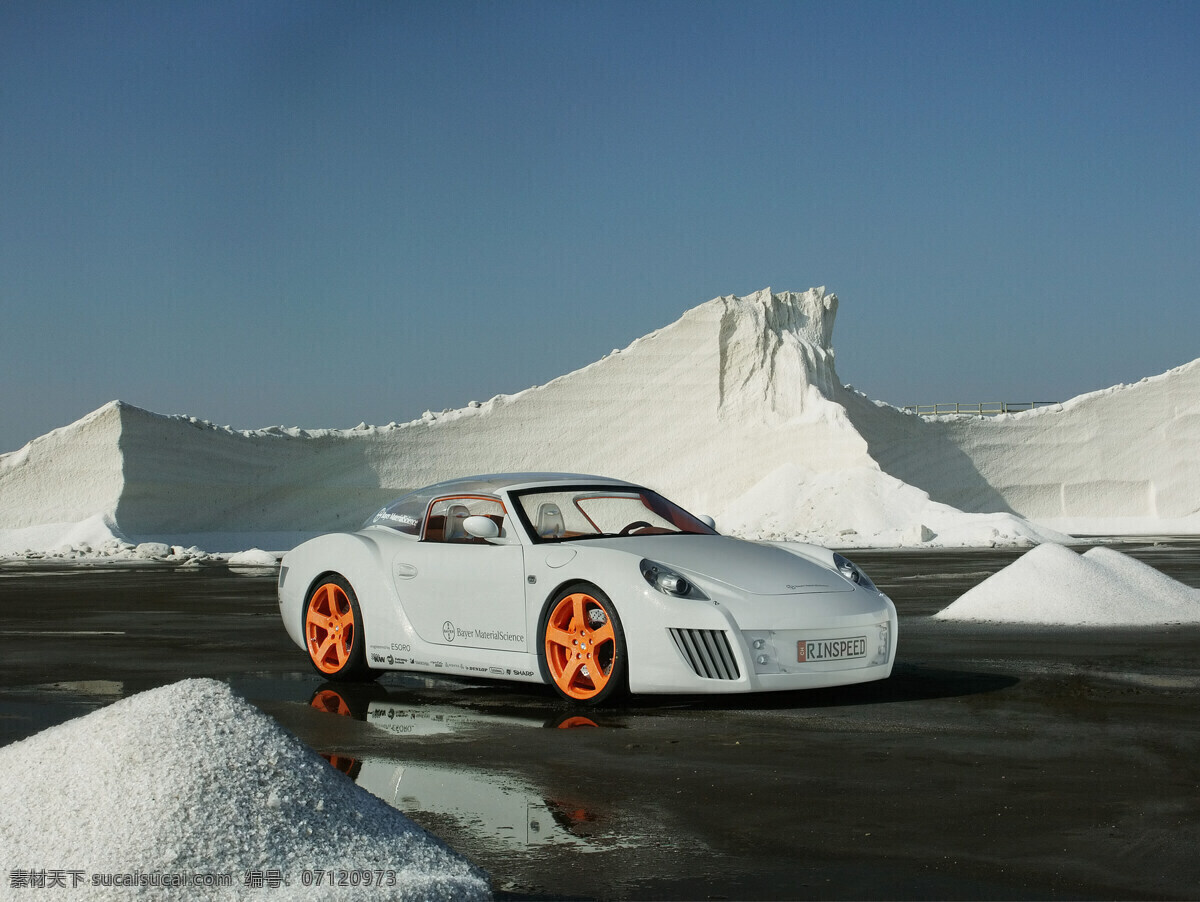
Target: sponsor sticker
<point x="809" y="650"/>
<point x="450" y="633"/>
<point x="398" y="519"/>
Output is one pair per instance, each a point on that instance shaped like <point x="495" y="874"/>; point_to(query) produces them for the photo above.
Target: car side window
<point x="447" y="515"/>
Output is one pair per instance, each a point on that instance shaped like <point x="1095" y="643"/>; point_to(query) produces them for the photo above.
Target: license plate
<point x="808" y="650"/>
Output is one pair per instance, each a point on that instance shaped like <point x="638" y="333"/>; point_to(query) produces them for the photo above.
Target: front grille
<point x="708" y="653"/>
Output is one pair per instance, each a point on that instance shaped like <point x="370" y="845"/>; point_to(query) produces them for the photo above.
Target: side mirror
<point x="707" y="521"/>
<point x="481" y="527"/>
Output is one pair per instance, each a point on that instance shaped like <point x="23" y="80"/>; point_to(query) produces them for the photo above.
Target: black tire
<point x="333" y="631"/>
<point x="581" y="646"/>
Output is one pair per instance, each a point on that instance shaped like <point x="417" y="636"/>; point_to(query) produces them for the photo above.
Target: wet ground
<point x="997" y="762"/>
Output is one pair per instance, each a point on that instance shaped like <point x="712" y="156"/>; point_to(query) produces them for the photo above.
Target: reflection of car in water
<point x="504" y="812"/>
<point x="592" y="585"/>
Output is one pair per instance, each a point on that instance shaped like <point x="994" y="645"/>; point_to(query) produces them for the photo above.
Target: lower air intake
<point x="708" y="653"/>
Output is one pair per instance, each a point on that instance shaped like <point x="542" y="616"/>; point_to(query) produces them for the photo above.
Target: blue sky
<point x="318" y="214"/>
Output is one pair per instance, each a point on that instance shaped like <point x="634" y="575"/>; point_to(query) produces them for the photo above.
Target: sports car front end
<point x="715" y="614"/>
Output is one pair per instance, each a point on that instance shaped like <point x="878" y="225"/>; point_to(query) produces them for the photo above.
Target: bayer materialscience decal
<point x="448" y="631"/>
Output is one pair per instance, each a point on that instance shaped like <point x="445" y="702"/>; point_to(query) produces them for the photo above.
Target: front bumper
<point x="717" y="656"/>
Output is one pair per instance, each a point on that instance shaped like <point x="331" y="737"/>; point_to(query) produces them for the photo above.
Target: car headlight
<point x="669" y="582"/>
<point x="851" y="571"/>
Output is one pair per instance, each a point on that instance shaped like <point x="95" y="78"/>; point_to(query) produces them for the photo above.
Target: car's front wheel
<point x="583" y="646"/>
<point x="333" y="630"/>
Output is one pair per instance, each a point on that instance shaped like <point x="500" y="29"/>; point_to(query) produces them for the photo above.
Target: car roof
<point x="491" y="483"/>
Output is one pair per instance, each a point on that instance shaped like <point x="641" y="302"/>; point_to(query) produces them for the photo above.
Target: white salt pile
<point x="1054" y="585"/>
<point x="865" y="507"/>
<point x="89" y="539"/>
<point x="191" y="780"/>
<point x="734" y="410"/>
<point x="253" y="558"/>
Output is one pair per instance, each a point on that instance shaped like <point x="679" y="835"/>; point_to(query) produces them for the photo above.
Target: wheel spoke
<point x="603" y="633"/>
<point x="559" y="637"/>
<point x="578" y="615"/>
<point x="342" y="649"/>
<point x="571" y="672"/>
<point x="324" y="646"/>
<point x="327" y="599"/>
<point x="598" y="677"/>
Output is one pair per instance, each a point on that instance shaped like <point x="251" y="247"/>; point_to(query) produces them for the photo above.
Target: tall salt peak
<point x="776" y="354"/>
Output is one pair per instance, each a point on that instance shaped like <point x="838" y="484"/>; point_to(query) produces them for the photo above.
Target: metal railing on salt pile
<point x="982" y="408"/>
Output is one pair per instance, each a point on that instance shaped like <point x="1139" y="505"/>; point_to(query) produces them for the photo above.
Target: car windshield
<point x="567" y="514"/>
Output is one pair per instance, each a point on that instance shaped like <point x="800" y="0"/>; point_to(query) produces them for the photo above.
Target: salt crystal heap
<point x="734" y="410"/>
<point x="776" y="356"/>
<point x="1052" y="585"/>
<point x="190" y="779"/>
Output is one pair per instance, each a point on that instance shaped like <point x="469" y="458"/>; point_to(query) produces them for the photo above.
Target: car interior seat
<point x="454" y="530"/>
<point x="550" y="524"/>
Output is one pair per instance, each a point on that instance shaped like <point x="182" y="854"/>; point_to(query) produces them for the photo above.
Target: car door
<point x="459" y="591"/>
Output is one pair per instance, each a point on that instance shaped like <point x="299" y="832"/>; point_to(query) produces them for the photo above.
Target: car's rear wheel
<point x="583" y="646"/>
<point x="333" y="630"/>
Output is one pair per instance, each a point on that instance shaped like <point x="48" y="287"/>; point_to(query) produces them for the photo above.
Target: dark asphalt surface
<point x="997" y="763"/>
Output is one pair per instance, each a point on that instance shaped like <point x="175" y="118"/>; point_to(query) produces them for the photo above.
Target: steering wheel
<point x="632" y="526"/>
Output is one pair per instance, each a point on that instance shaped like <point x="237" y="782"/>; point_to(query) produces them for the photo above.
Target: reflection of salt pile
<point x="1054" y="585"/>
<point x="189" y="779"/>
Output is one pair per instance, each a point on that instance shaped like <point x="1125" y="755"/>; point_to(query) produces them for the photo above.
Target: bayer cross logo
<point x="448" y="631"/>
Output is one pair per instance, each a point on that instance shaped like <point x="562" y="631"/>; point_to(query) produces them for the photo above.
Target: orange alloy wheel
<point x="329" y="628"/>
<point x="581" y="646"/>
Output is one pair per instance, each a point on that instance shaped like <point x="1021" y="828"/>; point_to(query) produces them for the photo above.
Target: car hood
<point x="749" y="566"/>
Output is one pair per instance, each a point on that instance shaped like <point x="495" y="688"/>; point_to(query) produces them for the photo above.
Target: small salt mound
<point x="190" y="779"/>
<point x="96" y="534"/>
<point x="255" y="557"/>
<point x="1054" y="585"/>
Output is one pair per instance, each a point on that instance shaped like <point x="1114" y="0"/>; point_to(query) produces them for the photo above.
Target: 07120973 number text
<point x="344" y="877"/>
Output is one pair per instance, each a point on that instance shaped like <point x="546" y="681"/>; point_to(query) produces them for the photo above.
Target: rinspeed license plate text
<point x="831" y="649"/>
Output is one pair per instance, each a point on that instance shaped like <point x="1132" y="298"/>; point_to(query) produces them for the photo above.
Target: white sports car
<point x="593" y="585"/>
